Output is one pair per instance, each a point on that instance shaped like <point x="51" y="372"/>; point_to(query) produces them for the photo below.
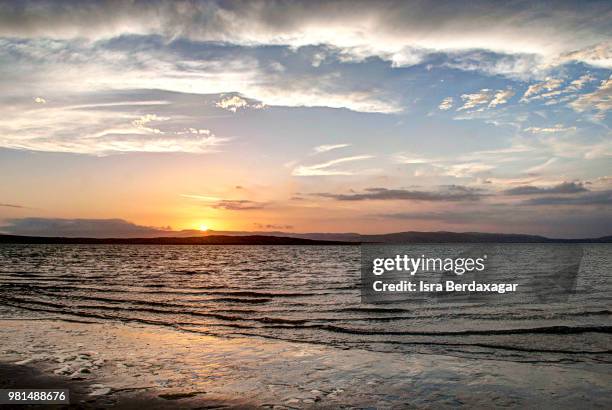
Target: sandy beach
<point x="127" y="364"/>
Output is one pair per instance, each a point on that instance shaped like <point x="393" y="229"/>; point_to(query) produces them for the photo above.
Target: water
<point x="298" y="294"/>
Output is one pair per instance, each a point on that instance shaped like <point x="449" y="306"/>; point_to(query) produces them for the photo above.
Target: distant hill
<point x="283" y="238"/>
<point x="198" y="240"/>
<point x="425" y="237"/>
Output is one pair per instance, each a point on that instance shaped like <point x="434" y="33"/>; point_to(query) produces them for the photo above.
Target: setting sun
<point x="203" y="228"/>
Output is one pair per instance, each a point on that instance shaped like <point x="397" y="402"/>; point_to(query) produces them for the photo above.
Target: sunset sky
<point x="309" y="116"/>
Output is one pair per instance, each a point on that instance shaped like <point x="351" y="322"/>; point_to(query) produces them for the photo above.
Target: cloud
<point x="234" y="103"/>
<point x="535" y="90"/>
<point x="599" y="100"/>
<point x="602" y="182"/>
<point x="540" y="167"/>
<point x="455" y="167"/>
<point x="599" y="55"/>
<point x="580" y="82"/>
<point x="238" y="205"/>
<point x="272" y="226"/>
<point x="403" y="158"/>
<point x="100" y="131"/>
<point x="446" y="104"/>
<point x="328" y="168"/>
<point x="13" y="206"/>
<point x="446" y="193"/>
<point x="227" y="204"/>
<point x="485" y="98"/>
<point x="550" y="130"/>
<point x="552" y="91"/>
<point x="589" y="198"/>
<point x="501" y="97"/>
<point x="136" y="63"/>
<point x="562" y="188"/>
<point x="517" y="66"/>
<point x="476" y="99"/>
<point x="327" y="147"/>
<point x="467" y="169"/>
<point x="201" y="197"/>
<point x="94" y="228"/>
<point x="398" y="31"/>
<point x="141" y="123"/>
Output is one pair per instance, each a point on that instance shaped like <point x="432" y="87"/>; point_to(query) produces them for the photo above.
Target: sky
<point x="128" y="118"/>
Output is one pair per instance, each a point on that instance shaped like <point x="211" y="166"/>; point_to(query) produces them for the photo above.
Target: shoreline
<point x="127" y="363"/>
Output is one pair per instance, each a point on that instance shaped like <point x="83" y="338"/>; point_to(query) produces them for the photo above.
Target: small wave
<point x="536" y="330"/>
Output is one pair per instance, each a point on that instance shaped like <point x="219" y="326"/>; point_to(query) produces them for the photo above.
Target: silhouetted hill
<point x="426" y="237"/>
<point x="283" y="238"/>
<point x="199" y="240"/>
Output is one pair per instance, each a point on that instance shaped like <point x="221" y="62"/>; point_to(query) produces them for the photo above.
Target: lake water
<point x="299" y="294"/>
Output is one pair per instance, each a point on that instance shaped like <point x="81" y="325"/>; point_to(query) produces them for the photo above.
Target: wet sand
<point x="129" y="365"/>
<point x="28" y="376"/>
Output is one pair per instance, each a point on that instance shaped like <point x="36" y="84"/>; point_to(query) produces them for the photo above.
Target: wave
<point x="536" y="330"/>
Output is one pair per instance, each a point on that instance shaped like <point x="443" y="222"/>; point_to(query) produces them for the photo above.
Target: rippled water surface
<point x="297" y="293"/>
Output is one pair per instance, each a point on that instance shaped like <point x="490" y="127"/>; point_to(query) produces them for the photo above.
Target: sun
<point x="203" y="228"/>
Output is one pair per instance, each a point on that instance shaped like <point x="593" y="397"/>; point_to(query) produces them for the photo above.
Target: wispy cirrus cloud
<point x="465" y="166"/>
<point x="329" y="147"/>
<point x="534" y="170"/>
<point x="201" y="197"/>
<point x="58" y="130"/>
<point x="550" y="130"/>
<point x="102" y="128"/>
<point x="238" y="205"/>
<point x="329" y="168"/>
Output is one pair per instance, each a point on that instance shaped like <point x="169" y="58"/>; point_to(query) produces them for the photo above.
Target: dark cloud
<point x="238" y="205"/>
<point x="445" y="193"/>
<point x="564" y="26"/>
<point x="590" y="198"/>
<point x="12" y="206"/>
<point x="93" y="228"/>
<point x="563" y="188"/>
<point x="272" y="226"/>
